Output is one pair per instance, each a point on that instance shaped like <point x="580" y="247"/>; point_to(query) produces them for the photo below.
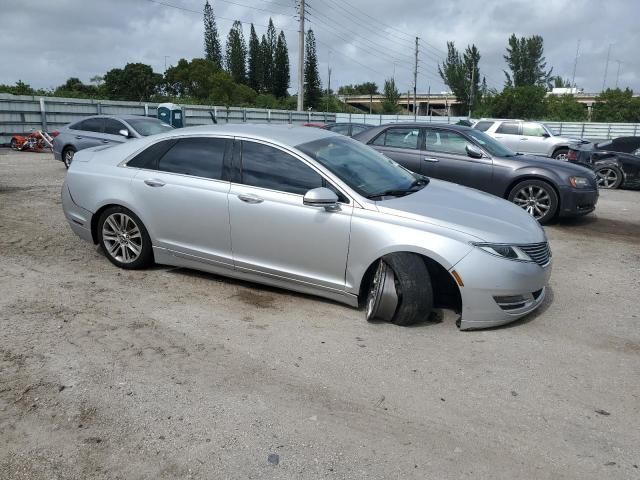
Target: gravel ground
<point x="170" y="373"/>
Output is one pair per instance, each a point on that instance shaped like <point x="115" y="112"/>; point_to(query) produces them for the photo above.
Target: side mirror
<point x="124" y="132"/>
<point x="545" y="135"/>
<point x="321" y="197"/>
<point x="473" y="151"/>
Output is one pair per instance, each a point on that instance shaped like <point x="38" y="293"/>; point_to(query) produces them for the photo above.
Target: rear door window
<point x="509" y="128"/>
<point x="355" y="129"/>
<point x="90" y="125"/>
<point x="199" y="157"/>
<point x="342" y="129"/>
<point x="400" y="138"/>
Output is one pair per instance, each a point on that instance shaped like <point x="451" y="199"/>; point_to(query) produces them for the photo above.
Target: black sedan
<point x="616" y="162"/>
<point x="543" y="187"/>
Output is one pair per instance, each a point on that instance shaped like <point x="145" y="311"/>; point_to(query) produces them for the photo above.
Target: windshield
<point x="491" y="145"/>
<point x="362" y="168"/>
<point x="148" y="126"/>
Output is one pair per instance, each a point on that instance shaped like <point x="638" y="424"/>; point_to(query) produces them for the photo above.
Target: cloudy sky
<point x="44" y="42"/>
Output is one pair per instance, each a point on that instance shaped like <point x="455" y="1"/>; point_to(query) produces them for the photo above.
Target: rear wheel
<point x="67" y="156"/>
<point x="561" y="154"/>
<point x="124" y="239"/>
<point x="536" y="197"/>
<point x="609" y="177"/>
<point x="14" y="144"/>
<point x="400" y="290"/>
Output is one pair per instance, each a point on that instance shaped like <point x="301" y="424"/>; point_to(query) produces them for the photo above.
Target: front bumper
<point x="486" y="277"/>
<point x="576" y="202"/>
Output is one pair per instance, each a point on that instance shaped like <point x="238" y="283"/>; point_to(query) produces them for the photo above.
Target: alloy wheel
<point x="607" y="177"/>
<point x="534" y="199"/>
<point x="122" y="238"/>
<point x="562" y="156"/>
<point x="68" y="158"/>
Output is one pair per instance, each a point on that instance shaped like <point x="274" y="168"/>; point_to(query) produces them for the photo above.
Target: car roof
<point x="124" y="117"/>
<point x="451" y="126"/>
<point x="286" y="134"/>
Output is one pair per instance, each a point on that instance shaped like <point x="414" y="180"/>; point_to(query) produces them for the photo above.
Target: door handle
<point x="105" y="141"/>
<point x="154" y="183"/>
<point x="250" y="198"/>
<point x="78" y="137"/>
<point x="524" y="138"/>
<point x="432" y="160"/>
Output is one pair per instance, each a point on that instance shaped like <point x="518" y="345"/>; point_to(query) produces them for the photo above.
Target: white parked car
<point x="531" y="138"/>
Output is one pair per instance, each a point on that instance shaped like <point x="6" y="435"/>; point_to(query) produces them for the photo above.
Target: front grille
<point x="539" y="252"/>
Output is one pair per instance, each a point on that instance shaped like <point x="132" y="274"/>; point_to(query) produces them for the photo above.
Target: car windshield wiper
<point x="420" y="182"/>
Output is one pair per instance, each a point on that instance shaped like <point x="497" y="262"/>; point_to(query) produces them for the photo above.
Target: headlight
<point x="505" y="251"/>
<point x="579" y="182"/>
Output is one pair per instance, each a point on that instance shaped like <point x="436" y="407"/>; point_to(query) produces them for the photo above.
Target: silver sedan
<point x="312" y="211"/>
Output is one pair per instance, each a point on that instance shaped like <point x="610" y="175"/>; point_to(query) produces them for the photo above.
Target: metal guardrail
<point x="22" y="113"/>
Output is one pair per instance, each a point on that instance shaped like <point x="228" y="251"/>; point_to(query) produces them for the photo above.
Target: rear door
<point x="402" y="144"/>
<point x="87" y="133"/>
<point x="181" y="196"/>
<point x="508" y="133"/>
<point x="447" y="150"/>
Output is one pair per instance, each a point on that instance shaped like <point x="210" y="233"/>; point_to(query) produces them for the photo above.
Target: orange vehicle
<point x="36" y="141"/>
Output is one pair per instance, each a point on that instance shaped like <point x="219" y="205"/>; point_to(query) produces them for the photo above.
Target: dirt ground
<point x="172" y="374"/>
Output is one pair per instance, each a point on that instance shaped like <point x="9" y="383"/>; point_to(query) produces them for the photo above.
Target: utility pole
<point x="429" y="102"/>
<point x="575" y="65"/>
<point x="165" y="62"/>
<point x="329" y="80"/>
<point x="473" y="72"/>
<point x="618" y="73"/>
<point x="415" y="84"/>
<point x="606" y="68"/>
<point x="301" y="59"/>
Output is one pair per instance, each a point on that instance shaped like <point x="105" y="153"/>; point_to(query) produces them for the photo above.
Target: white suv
<point x="527" y="137"/>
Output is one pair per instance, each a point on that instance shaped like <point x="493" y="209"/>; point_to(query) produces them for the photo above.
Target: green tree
<point x="212" y="50"/>
<point x="74" y="88"/>
<point x="616" y="105"/>
<point x="20" y="88"/>
<point x="518" y="102"/>
<point x="526" y="62"/>
<point x="255" y="73"/>
<point x="391" y="96"/>
<point x="236" y="59"/>
<point x="135" y="82"/>
<point x="366" y="88"/>
<point x="461" y="73"/>
<point x="281" y="75"/>
<point x="564" y="108"/>
<point x="559" y="82"/>
<point x="312" y="84"/>
<point x="267" y="66"/>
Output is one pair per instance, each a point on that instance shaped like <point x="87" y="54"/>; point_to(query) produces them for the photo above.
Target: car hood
<point x="550" y="163"/>
<point x="485" y="217"/>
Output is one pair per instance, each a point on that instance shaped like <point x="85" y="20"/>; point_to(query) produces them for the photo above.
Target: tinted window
<point x="342" y="129"/>
<point x="355" y="129"/>
<point x="490" y="144"/>
<point x="148" y="158"/>
<point x="402" y="138"/>
<point x="508" y="128"/>
<point x="483" y="126"/>
<point x="533" y="130"/>
<point x="200" y="157"/>
<point x="113" y="127"/>
<point x="267" y="167"/>
<point x="89" y="125"/>
<point x="445" y="141"/>
<point x="148" y="126"/>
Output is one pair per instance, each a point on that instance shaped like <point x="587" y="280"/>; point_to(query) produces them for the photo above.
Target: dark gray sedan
<point x="543" y="187"/>
<point x="103" y="130"/>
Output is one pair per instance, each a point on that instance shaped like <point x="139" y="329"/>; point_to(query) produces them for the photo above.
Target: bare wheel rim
<point x="122" y="238"/>
<point x="374" y="291"/>
<point x="68" y="157"/>
<point x="607" y="177"/>
<point x="534" y="199"/>
<point x="561" y="156"/>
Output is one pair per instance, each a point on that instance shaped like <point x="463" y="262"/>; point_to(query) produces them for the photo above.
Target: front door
<point x="534" y="139"/>
<point x="181" y="198"/>
<point x="448" y="149"/>
<point x="272" y="232"/>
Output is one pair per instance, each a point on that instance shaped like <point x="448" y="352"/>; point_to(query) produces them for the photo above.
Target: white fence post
<point x="43" y="115"/>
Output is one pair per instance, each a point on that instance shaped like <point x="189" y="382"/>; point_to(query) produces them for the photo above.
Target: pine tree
<point x="237" y="54"/>
<point x="212" y="50"/>
<point x="313" y="87"/>
<point x="281" y="75"/>
<point x="266" y="61"/>
<point x="255" y="75"/>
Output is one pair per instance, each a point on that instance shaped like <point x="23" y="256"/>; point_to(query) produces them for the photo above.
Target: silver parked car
<point x="103" y="130"/>
<point x="311" y="211"/>
<point x="532" y="138"/>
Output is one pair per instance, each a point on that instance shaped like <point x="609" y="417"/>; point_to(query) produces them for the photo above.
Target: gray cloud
<point x="44" y="43"/>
